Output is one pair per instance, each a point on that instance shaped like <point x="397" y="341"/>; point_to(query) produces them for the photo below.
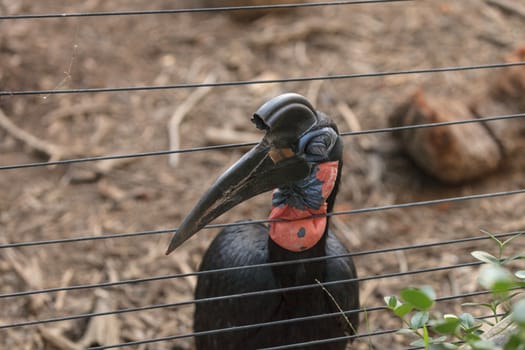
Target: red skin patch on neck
<point x="302" y="232"/>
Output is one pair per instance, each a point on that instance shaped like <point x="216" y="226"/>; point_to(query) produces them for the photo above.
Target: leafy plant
<point x="443" y="332"/>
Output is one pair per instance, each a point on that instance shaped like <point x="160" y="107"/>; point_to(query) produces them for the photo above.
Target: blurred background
<point x="93" y="199"/>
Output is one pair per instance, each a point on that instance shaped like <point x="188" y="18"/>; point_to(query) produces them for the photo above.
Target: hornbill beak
<point x="272" y="163"/>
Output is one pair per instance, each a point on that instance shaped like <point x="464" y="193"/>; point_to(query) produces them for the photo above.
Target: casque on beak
<point x="270" y="164"/>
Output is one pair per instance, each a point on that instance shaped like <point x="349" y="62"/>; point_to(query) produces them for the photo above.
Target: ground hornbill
<point x="300" y="157"/>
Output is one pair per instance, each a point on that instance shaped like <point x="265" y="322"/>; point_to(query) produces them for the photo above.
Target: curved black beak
<point x="270" y="164"/>
<point x="251" y="175"/>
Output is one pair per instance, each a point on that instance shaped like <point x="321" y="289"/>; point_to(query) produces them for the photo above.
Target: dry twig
<point x="220" y="136"/>
<point x="54" y="337"/>
<point x="296" y="32"/>
<point x="28" y="269"/>
<point x="61" y="296"/>
<point x="511" y="6"/>
<point x="53" y="151"/>
<point x="179" y="114"/>
<point x="349" y="116"/>
<point x="76" y="110"/>
<point x="313" y="91"/>
<point x="102" y="330"/>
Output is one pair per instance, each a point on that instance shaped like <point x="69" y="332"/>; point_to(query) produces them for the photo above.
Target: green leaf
<point x="471" y="337"/>
<point x="514" y="343"/>
<point x="503" y="286"/>
<point x="500" y="243"/>
<point x="513" y="257"/>
<point x="467" y="320"/>
<point x="520" y="234"/>
<point x="520" y="284"/>
<point x="469" y="325"/>
<point x="520" y="274"/>
<point x="405" y="331"/>
<point x="418" y="343"/>
<point x="392" y="302"/>
<point x="403" y="309"/>
<point x="440" y="339"/>
<point x="518" y="312"/>
<point x="485" y="257"/>
<point x="474" y="304"/>
<point x="443" y="346"/>
<point x="418" y="298"/>
<point x="494" y="276"/>
<point x="483" y="345"/>
<point x="446" y="326"/>
<point x="426" y="337"/>
<point x="419" y="319"/>
<point x="429" y="291"/>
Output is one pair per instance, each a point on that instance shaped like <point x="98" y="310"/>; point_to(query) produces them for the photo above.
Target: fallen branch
<point x="313" y="91"/>
<point x="511" y="6"/>
<point x="77" y="110"/>
<point x="53" y="151"/>
<point x="55" y="337"/>
<point x="102" y="330"/>
<point x="296" y="32"/>
<point x="179" y="114"/>
<point x="349" y="116"/>
<point x="65" y="281"/>
<point x="28" y="269"/>
<point x="221" y="136"/>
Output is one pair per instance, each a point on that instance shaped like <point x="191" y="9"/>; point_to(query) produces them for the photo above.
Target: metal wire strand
<point x="195" y="10"/>
<point x="264" y="221"/>
<point x="133" y="155"/>
<point x="281" y="322"/>
<point x="248" y="144"/>
<point x="241" y="295"/>
<point x="349" y="337"/>
<point x="227" y="146"/>
<point x="261" y="81"/>
<point x="265" y="265"/>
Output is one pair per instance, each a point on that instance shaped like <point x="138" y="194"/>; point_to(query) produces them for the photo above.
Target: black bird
<point x="301" y="158"/>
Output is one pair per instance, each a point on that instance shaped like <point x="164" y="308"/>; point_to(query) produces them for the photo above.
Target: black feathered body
<point x="250" y="245"/>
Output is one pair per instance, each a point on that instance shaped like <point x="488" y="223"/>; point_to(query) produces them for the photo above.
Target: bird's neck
<point x="299" y="209"/>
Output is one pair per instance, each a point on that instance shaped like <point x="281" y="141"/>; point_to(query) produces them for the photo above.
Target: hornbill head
<point x="298" y="138"/>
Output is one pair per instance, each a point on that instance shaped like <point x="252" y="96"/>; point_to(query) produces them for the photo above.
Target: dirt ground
<point x="147" y="193"/>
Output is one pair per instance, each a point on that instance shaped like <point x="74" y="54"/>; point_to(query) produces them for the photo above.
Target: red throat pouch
<point x="302" y="232"/>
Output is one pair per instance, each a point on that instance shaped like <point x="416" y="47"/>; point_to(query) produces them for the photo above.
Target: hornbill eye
<point x="317" y="145"/>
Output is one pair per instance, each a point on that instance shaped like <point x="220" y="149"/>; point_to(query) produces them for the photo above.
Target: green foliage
<point x="436" y="332"/>
<point x="518" y="313"/>
<point x="420" y="298"/>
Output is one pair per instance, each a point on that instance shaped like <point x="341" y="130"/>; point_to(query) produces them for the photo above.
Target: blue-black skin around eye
<point x="316" y="145"/>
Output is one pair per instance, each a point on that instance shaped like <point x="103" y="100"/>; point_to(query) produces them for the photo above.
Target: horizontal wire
<point x="271" y="264"/>
<point x="236" y="328"/>
<point x="264" y="221"/>
<point x="461" y="342"/>
<point x="194" y="10"/>
<point x="432" y="125"/>
<point x="427" y="203"/>
<point x="261" y="81"/>
<point x="349" y="337"/>
<point x="240" y="295"/>
<point x="133" y="155"/>
<point x="331" y="340"/>
<point x="253" y="143"/>
<point x="278" y="322"/>
<point x="246" y="144"/>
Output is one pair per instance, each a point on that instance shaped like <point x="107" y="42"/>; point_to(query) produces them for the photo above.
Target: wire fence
<point x="262" y="81"/>
<point x="199" y="9"/>
<point x="246" y="144"/>
<point x="131" y="282"/>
